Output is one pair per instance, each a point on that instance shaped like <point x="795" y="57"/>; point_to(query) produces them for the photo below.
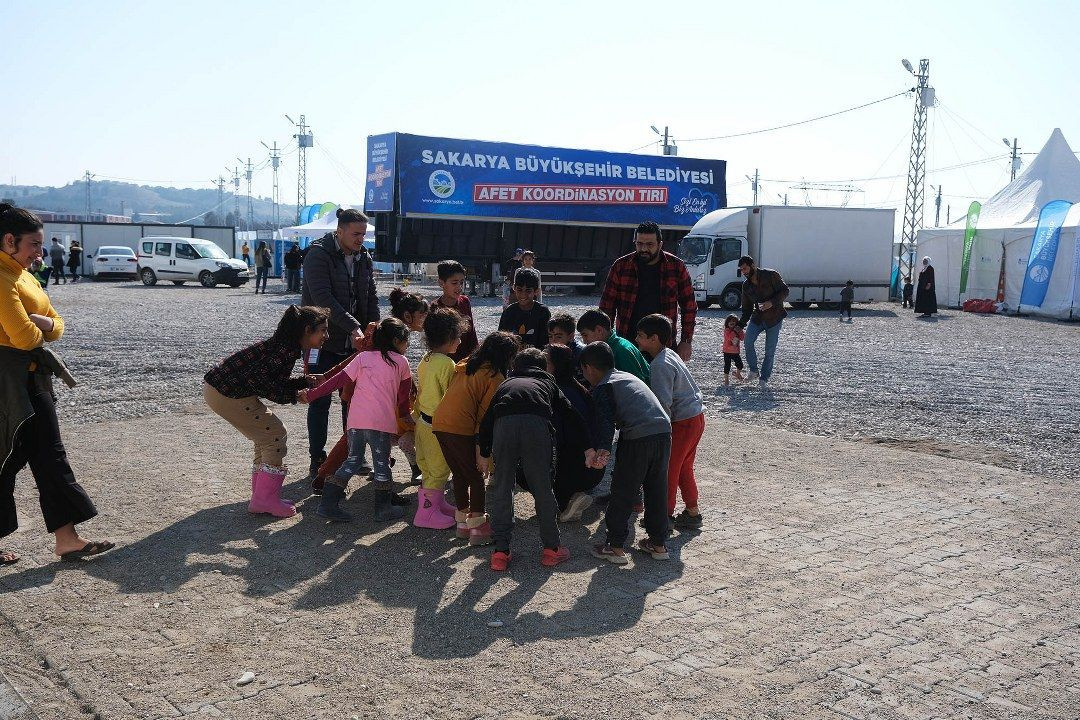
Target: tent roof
<point x="1054" y="174"/>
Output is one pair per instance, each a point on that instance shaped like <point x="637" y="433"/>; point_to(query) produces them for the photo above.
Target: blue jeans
<point x="772" y="336"/>
<point x="292" y="280"/>
<point x="380" y="443"/>
<point x="261" y="273"/>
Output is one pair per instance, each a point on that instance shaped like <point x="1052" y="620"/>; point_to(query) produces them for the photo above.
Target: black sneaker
<point x="686" y="521"/>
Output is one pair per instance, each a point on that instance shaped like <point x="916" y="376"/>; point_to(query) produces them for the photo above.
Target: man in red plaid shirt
<point x="649" y="281"/>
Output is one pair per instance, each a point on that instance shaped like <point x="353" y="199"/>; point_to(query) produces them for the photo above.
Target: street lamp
<point x="669" y="147"/>
<point x="907" y="66"/>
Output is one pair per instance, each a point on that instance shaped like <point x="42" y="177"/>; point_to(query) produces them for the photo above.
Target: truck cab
<point x="711" y="252"/>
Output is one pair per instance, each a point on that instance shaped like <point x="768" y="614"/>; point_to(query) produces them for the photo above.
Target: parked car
<point x="179" y="260"/>
<point x="114" y="261"/>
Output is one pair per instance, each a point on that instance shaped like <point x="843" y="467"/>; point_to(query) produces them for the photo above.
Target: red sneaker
<point x="500" y="560"/>
<point x="551" y="558"/>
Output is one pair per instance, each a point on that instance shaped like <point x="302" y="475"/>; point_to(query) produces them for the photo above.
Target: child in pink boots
<point x="457" y="420"/>
<point x="234" y="388"/>
<point x="443" y="328"/>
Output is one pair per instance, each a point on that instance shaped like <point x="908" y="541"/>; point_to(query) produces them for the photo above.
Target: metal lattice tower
<point x="916" y="182"/>
<point x="275" y="161"/>
<point x="220" y="182"/>
<point x="250" y="203"/>
<point x="236" y="195"/>
<point x="304" y="140"/>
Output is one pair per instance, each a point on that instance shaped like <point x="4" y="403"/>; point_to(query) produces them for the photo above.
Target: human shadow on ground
<point x="396" y="566"/>
<point x="746" y="396"/>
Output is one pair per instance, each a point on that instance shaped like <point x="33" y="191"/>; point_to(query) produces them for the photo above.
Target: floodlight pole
<point x="916" y="181"/>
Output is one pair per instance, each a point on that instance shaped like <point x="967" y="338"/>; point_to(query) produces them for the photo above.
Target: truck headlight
<point x="699" y="282"/>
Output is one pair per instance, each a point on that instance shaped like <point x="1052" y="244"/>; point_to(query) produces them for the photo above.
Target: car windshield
<point x="209" y="250"/>
<point x="694" y="250"/>
<point x="126" y="252"/>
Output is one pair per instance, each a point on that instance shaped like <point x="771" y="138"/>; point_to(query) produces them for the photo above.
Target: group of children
<point x="529" y="406"/>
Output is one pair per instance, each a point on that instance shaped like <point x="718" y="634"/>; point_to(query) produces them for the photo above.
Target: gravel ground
<point x="953" y="386"/>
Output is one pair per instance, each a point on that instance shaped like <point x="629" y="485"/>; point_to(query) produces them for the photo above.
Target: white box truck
<point x="816" y="250"/>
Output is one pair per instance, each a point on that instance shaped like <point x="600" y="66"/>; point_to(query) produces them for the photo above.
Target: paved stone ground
<point x="832" y="580"/>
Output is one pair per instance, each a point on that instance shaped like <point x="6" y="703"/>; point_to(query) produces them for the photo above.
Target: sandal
<point x="90" y="548"/>
<point x="8" y="557"/>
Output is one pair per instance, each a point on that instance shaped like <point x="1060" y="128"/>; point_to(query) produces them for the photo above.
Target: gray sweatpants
<point x="524" y="440"/>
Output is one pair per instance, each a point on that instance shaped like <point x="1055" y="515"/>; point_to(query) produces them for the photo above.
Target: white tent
<point x="1006" y="225"/>
<point x="314" y="229"/>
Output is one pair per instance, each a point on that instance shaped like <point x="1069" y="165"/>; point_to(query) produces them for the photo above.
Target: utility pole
<point x="250" y="205"/>
<point x="754" y="185"/>
<point x="236" y="195"/>
<point x="304" y="140"/>
<point x="937" y="208"/>
<point x="916" y="181"/>
<point x="669" y="147"/>
<point x="275" y="160"/>
<point x="220" y="182"/>
<point x="87" y="177"/>
<point x="1014" y="165"/>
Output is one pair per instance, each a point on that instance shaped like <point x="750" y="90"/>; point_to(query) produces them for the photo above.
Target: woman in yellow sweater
<point x="29" y="430"/>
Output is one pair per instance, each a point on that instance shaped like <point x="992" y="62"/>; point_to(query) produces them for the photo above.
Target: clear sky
<point x="175" y="92"/>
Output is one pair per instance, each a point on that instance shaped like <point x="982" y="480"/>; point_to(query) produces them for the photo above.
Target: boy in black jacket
<point x="517" y="428"/>
<point x="527" y="318"/>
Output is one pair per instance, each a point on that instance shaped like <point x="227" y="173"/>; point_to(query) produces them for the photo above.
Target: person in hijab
<point x="926" y="290"/>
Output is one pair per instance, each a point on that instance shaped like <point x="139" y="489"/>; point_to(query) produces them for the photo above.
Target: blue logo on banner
<point x="1044" y="246"/>
<point x="476" y="179"/>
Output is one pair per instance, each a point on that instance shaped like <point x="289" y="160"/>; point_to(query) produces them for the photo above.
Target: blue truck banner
<point x="382" y="152"/>
<point x="1044" y="246"/>
<point x="477" y="179"/>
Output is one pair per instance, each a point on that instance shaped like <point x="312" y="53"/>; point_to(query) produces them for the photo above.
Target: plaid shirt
<point x="676" y="292"/>
<point x="263" y="369"/>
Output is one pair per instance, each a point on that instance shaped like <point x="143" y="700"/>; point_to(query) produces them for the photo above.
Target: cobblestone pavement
<point x="831" y="580"/>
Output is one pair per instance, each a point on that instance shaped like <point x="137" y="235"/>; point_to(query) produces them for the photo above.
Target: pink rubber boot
<point x="254" y="472"/>
<point x="444" y="507"/>
<point x="267" y="495"/>
<point x="428" y="514"/>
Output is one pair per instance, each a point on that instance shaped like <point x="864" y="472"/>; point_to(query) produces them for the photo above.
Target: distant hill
<point x="163" y="204"/>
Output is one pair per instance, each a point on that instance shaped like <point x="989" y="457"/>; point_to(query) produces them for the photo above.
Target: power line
<point x="801" y="122"/>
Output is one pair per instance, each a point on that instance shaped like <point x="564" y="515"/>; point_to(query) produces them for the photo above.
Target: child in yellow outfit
<point x="443" y="328"/>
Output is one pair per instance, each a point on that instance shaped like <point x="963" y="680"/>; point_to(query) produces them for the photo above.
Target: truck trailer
<point x="816" y="250"/>
<point x="476" y="201"/>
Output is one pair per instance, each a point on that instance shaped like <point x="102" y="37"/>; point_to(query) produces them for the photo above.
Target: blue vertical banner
<point x="1044" y="246"/>
<point x="1075" y="302"/>
<point x="382" y="156"/>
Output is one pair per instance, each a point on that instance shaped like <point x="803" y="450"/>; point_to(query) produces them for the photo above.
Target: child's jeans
<point x="525" y="439"/>
<point x="685" y="436"/>
<point x="379" y="442"/>
<point x="642" y="463"/>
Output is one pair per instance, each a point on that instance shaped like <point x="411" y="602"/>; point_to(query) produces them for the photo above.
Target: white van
<point x="178" y="260"/>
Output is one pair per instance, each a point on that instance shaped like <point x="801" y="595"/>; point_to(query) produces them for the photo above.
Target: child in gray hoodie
<point x="623" y="401"/>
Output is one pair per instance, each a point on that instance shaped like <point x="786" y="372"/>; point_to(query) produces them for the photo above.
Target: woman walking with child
<point x="234" y="389"/>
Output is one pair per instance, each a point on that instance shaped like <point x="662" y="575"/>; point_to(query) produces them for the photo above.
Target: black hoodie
<point x="529" y="392"/>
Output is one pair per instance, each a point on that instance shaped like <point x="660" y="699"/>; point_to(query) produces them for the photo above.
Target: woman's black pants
<point x="38" y="444"/>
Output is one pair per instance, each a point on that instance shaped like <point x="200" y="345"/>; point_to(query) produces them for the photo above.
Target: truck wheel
<point x="731" y="298"/>
<point x="207" y="279"/>
<point x="148" y="277"/>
